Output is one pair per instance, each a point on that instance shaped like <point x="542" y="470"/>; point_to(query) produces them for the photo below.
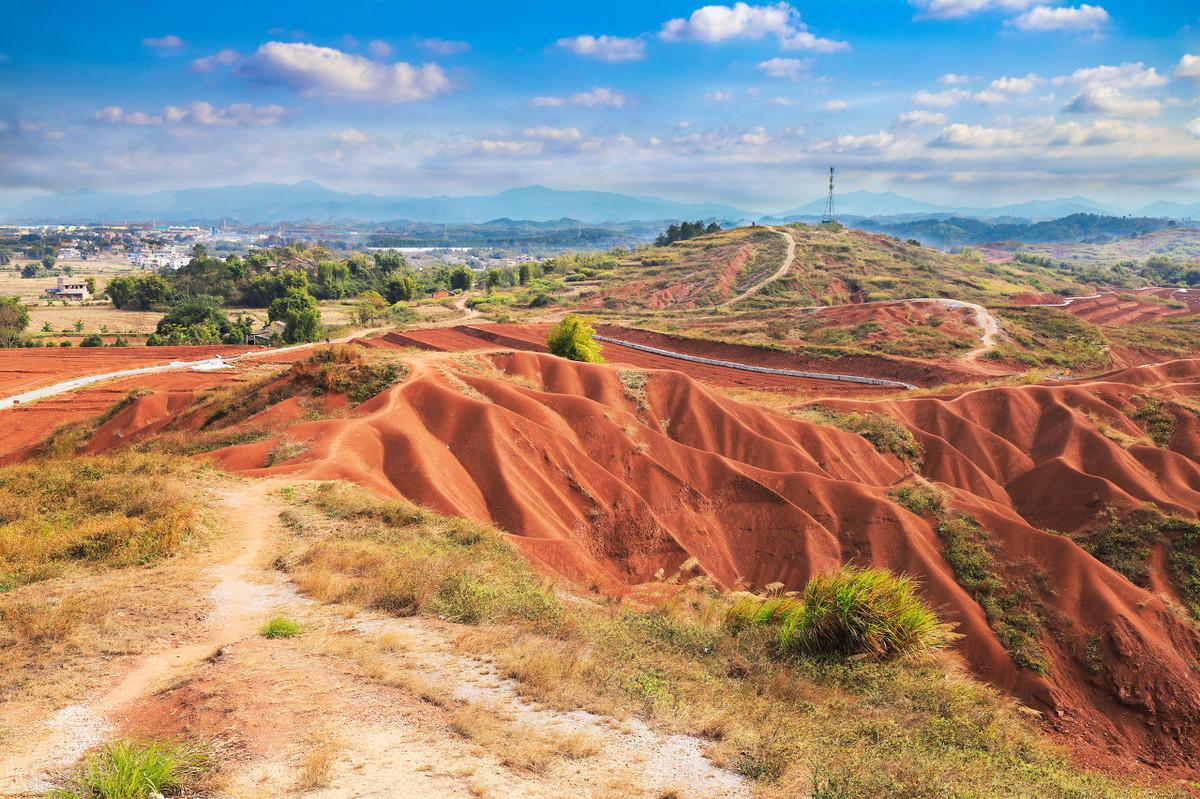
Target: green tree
<point x="91" y="285"/>
<point x="78" y="325"/>
<point x="574" y="338"/>
<point x="138" y="292"/>
<point x="92" y="340"/>
<point x="370" y="306"/>
<point x="462" y="278"/>
<point x="14" y="318"/>
<point x="297" y="309"/>
<point x="400" y="287"/>
<point x="524" y="274"/>
<point x="198" y="320"/>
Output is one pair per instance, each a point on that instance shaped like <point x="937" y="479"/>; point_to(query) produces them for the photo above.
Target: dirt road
<point x="780" y="272"/>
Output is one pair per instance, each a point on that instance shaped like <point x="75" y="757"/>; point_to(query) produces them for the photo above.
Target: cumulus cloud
<point x="718" y="97"/>
<point x="789" y="68"/>
<point x="954" y="79"/>
<point x="1016" y="85"/>
<point x="317" y="71"/>
<point x="835" y="106"/>
<point x="976" y="136"/>
<point x="1194" y="128"/>
<point x="1188" y="67"/>
<point x="1066" y="18"/>
<point x="613" y="49"/>
<point x="198" y="112"/>
<point x="221" y="58"/>
<point x="716" y="23"/>
<point x="946" y="99"/>
<point x="960" y="9"/>
<point x="547" y="102"/>
<point x="1130" y="75"/>
<point x="1111" y="101"/>
<point x="167" y="42"/>
<point x="869" y="143"/>
<point x="919" y="118"/>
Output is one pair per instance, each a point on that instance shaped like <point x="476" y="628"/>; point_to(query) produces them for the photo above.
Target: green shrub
<point x="574" y="338"/>
<point x="133" y="770"/>
<point x="884" y="432"/>
<point x="849" y="612"/>
<point x="280" y="627"/>
<point x="1153" y="416"/>
<point x="921" y="498"/>
<point x="92" y="340"/>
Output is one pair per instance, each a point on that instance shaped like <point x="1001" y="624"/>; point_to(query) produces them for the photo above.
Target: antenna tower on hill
<point x="829" y="218"/>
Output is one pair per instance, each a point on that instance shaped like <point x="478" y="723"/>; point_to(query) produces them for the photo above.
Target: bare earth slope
<point x="606" y="475"/>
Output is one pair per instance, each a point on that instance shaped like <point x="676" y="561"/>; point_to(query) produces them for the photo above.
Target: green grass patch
<point x="1007" y="607"/>
<point x="884" y="432"/>
<point x="921" y="498"/>
<point x="280" y="627"/>
<point x="1155" y="417"/>
<point x="128" y="769"/>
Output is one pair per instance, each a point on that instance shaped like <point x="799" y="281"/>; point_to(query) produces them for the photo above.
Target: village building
<point x="69" y="288"/>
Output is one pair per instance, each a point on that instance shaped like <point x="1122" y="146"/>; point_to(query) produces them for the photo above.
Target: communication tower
<point x="829" y="218"/>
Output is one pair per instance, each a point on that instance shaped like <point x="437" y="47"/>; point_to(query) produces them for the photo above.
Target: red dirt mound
<point x="25" y="369"/>
<point x="605" y="476"/>
<point x="607" y="479"/>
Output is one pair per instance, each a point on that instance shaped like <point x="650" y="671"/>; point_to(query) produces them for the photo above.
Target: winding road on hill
<point x="780" y="272"/>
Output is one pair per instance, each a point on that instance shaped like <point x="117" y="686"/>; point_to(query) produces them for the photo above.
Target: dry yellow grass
<point x="321" y="753"/>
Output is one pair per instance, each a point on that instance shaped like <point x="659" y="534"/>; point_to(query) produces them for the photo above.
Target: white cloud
<point x="613" y="49"/>
<point x="1188" y="67"/>
<point x="1016" y="85"/>
<point x="555" y="135"/>
<point x="349" y="136"/>
<point x="1130" y="75"/>
<point x="872" y="142"/>
<point x="716" y="23"/>
<point x="547" y="102"/>
<point x="198" y="112"/>
<point x="835" y="106"/>
<point x="222" y="58"/>
<point x="954" y="79"/>
<point x="959" y="9"/>
<point x="379" y="48"/>
<point x="990" y="97"/>
<point x="599" y="97"/>
<point x="168" y="42"/>
<point x="500" y="147"/>
<point x="443" y="46"/>
<point x="1194" y="128"/>
<point x="718" y="97"/>
<point x="976" y="136"/>
<point x="1111" y="101"/>
<point x="784" y="101"/>
<point x="790" y="68"/>
<point x="325" y="72"/>
<point x="917" y="118"/>
<point x="945" y="99"/>
<point x="1068" y="18"/>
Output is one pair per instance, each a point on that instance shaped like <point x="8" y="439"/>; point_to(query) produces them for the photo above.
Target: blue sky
<point x="971" y="101"/>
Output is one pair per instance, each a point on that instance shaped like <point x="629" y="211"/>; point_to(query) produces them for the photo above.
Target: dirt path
<point x="780" y="272"/>
<point x="206" y="364"/>
<point x="395" y="709"/>
<point x="989" y="328"/>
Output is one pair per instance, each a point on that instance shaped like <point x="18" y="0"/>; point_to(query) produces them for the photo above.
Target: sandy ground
<point x="303" y="714"/>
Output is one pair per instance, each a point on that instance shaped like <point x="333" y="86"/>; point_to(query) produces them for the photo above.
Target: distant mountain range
<point x="279" y="202"/>
<point x="1073" y="228"/>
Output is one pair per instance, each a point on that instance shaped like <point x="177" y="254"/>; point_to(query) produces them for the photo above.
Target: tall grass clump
<point x="129" y="769"/>
<point x="849" y="612"/>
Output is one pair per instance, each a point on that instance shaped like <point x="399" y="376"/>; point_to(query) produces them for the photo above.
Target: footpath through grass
<point x="837" y="717"/>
